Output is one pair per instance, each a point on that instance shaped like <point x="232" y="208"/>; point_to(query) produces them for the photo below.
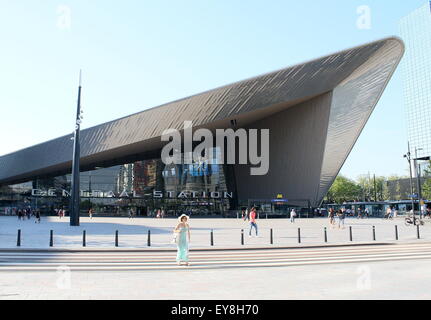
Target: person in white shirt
<point x="292" y="216"/>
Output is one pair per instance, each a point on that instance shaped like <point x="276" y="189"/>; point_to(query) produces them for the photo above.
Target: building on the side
<point x="314" y="111"/>
<point x="415" y="30"/>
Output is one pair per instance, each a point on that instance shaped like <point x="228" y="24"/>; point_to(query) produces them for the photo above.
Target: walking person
<point x="292" y="216"/>
<point x="252" y="218"/>
<point x="90" y="213"/>
<point x="37" y="215"/>
<point x="341" y="216"/>
<point x="131" y="213"/>
<point x="331" y="216"/>
<point x="388" y="213"/>
<point x="367" y="213"/>
<point x="183" y="239"/>
<point x="359" y="213"/>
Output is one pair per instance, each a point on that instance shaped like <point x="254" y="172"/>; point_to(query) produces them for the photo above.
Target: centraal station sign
<point x="156" y="194"/>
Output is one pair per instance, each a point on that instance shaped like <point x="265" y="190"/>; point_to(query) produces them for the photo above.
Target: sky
<point x="140" y="54"/>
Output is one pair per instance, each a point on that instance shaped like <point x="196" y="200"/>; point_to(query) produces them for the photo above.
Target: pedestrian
<point x="341" y="216"/>
<point x="331" y="216"/>
<point x="90" y="213"/>
<point x="130" y="211"/>
<point x="162" y="213"/>
<point x="367" y="212"/>
<point x="292" y="216"/>
<point x="37" y="215"/>
<point x="392" y="214"/>
<point x="359" y="213"/>
<point x="253" y="224"/>
<point x="183" y="239"/>
<point x="19" y="214"/>
<point x="387" y="213"/>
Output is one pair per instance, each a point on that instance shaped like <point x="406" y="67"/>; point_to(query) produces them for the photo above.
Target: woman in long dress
<point x="183" y="238"/>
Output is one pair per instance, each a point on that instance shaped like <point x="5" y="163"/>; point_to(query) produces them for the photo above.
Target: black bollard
<point x="242" y="237"/>
<point x="149" y="238"/>
<point x="351" y="235"/>
<point x="212" y="238"/>
<point x="18" y="239"/>
<point x="271" y="237"/>
<point x="116" y="238"/>
<point x="299" y="235"/>
<point x="326" y="235"/>
<point x="51" y="238"/>
<point x="396" y="232"/>
<point x="84" y="243"/>
<point x="419" y="234"/>
<point x="374" y="233"/>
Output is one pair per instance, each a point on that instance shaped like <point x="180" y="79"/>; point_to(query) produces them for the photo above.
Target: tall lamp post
<point x="408" y="157"/>
<point x="418" y="178"/>
<point x="75" y="196"/>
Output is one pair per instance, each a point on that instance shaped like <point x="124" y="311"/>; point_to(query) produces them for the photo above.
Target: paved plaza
<point x="133" y="233"/>
<point x="339" y="269"/>
<point x="397" y="271"/>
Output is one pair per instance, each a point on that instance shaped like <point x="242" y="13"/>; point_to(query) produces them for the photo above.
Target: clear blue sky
<point x="140" y="54"/>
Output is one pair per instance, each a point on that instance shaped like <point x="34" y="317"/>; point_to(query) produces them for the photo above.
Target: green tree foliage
<point x="344" y="189"/>
<point x="426" y="187"/>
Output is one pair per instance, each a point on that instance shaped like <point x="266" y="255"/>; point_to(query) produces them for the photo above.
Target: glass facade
<point x="415" y="30"/>
<point x="146" y="186"/>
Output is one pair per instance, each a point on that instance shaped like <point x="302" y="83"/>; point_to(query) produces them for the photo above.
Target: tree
<point x="344" y="189"/>
<point x="426" y="187"/>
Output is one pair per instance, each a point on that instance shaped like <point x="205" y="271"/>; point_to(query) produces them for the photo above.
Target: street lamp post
<point x="75" y="196"/>
<point x="418" y="178"/>
<point x="408" y="157"/>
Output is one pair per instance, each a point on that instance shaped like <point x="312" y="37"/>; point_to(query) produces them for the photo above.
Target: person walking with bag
<point x="183" y="239"/>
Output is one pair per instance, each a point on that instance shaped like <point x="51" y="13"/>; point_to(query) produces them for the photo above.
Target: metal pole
<point x="212" y="238"/>
<point x="271" y="237"/>
<point x="242" y="237"/>
<point x="51" y="238"/>
<point x="75" y="196"/>
<point x="84" y="243"/>
<point x="374" y="233"/>
<point x="418" y="231"/>
<point x="417" y="168"/>
<point x="18" y="239"/>
<point x="396" y="232"/>
<point x="149" y="238"/>
<point x="299" y="235"/>
<point x="411" y="183"/>
<point x="325" y="234"/>
<point x="116" y="238"/>
<point x="351" y="235"/>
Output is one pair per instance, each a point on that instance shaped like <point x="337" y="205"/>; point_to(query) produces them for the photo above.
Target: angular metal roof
<point x="356" y="77"/>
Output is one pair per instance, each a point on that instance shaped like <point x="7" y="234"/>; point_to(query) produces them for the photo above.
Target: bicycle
<point x="417" y="221"/>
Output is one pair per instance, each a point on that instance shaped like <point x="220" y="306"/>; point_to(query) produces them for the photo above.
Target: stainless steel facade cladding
<point x="354" y="79"/>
